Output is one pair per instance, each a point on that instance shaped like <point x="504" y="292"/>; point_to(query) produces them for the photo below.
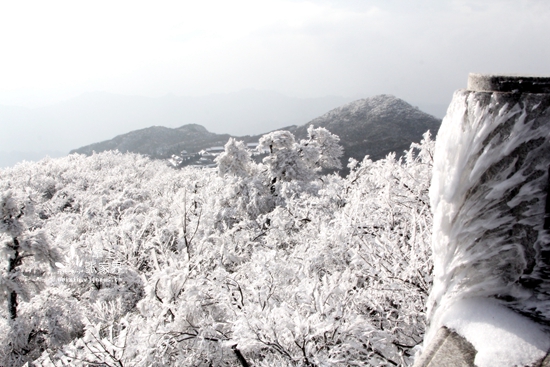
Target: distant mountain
<point x="98" y="116"/>
<point x="160" y="142"/>
<point x="373" y="126"/>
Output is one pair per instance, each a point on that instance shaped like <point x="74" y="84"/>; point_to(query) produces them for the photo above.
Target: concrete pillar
<point x="491" y="210"/>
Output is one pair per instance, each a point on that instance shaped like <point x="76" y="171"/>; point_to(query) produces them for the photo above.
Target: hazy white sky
<point x="417" y="50"/>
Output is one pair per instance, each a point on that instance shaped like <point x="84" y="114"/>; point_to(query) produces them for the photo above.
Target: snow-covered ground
<point x="500" y="336"/>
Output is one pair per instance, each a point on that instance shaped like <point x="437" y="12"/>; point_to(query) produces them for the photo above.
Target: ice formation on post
<point x="489" y="198"/>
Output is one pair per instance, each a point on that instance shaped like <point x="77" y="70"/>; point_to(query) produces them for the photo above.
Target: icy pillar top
<point x="508" y="83"/>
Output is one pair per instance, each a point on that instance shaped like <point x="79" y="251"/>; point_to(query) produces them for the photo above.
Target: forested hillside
<point x="118" y="260"/>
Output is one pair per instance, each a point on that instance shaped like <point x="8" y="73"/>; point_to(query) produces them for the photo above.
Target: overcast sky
<point x="420" y="51"/>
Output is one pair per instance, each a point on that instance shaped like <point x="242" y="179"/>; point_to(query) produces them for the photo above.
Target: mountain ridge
<point x="373" y="126"/>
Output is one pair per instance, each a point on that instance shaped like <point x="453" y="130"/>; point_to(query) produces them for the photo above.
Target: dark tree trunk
<point x="240" y="356"/>
<point x="14" y="262"/>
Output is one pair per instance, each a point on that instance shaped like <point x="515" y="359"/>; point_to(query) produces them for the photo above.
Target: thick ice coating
<point x="488" y="195"/>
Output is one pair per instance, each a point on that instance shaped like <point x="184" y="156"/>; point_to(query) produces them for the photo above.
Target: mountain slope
<point x="375" y="126"/>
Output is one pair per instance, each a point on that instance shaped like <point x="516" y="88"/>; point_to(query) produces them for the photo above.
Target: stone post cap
<point x="508" y="83"/>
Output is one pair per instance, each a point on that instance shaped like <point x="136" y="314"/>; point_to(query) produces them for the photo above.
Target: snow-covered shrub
<point x="190" y="267"/>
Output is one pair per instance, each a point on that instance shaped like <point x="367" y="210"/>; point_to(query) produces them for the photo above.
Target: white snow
<point x="500" y="336"/>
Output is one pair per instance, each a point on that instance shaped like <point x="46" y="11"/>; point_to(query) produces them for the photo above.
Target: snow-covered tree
<point x="23" y="246"/>
<point x="284" y="160"/>
<point x="234" y="160"/>
<point x="322" y="149"/>
<point x="289" y="160"/>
